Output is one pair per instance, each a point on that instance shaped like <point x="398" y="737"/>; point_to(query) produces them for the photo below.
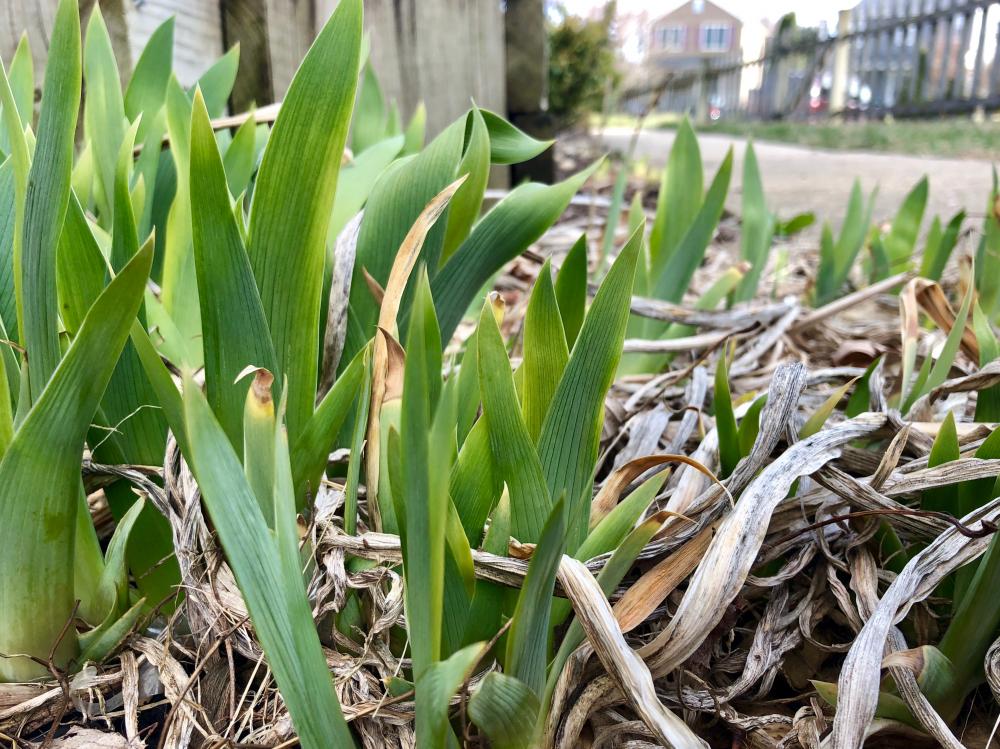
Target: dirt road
<point x="800" y="179"/>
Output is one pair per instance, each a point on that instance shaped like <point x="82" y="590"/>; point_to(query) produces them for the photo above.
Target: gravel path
<point x="800" y="179"/>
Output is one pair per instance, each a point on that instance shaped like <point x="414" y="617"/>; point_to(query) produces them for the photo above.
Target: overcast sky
<point x="808" y="12"/>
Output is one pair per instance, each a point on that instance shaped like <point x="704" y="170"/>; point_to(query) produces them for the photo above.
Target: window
<point x="671" y="38"/>
<point x="697" y="6"/>
<point x="714" y="37"/>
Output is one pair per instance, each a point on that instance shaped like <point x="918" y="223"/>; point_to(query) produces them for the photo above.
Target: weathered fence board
<point x="442" y="52"/>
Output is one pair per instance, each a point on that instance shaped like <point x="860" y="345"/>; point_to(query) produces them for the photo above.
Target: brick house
<point x="697" y="31"/>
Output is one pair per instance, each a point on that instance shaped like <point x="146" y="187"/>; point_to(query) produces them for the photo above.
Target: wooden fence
<point x="907" y="58"/>
<point x="442" y="52"/>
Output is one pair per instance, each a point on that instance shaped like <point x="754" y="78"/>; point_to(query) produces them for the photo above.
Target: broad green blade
<point x="313" y="447"/>
<point x="468" y="390"/>
<point x="8" y="225"/>
<point x="931" y="245"/>
<point x="114" y="580"/>
<point x="502" y="234"/>
<point x="512" y="447"/>
<point x="234" y="330"/>
<point x="22" y="79"/>
<point x="508" y="144"/>
<point x="475" y="480"/>
<point x="614" y="214"/>
<point x="216" y="83"/>
<point x="680" y="198"/>
<point x="528" y="638"/>
<point x="617" y="524"/>
<point x="487" y="605"/>
<point x="98" y="644"/>
<point x="241" y="157"/>
<point x="837" y="258"/>
<point x="503" y="708"/>
<point x="293" y="199"/>
<point x="571" y="289"/>
<point x="274" y="593"/>
<point x="678" y="269"/>
<point x="152" y="128"/>
<point x="757" y="227"/>
<point x="397" y="200"/>
<point x="413" y="137"/>
<point x="818" y="418"/>
<point x="46" y="199"/>
<point x="972" y="495"/>
<point x="104" y="109"/>
<point x="179" y="282"/>
<point x="544" y="352"/>
<point x="140" y="431"/>
<point x="944" y="450"/>
<point x="434" y="691"/>
<point x="988" y="256"/>
<point x="568" y="444"/>
<point x="357" y="180"/>
<point x="942" y="366"/>
<point x="988" y="399"/>
<point x="43" y="464"/>
<point x="162" y="383"/>
<point x="901" y="240"/>
<point x="370" y="115"/>
<point x="750" y="425"/>
<point x="465" y="206"/>
<point x="423" y="495"/>
<point x="147" y="88"/>
<point x="725" y="420"/>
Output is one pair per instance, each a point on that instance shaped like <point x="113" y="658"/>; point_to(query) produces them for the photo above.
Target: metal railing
<point x="908" y="58"/>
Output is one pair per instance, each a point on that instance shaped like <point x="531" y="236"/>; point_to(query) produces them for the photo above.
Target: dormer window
<point x="714" y="37"/>
<point x="671" y="38"/>
<point x="697" y="6"/>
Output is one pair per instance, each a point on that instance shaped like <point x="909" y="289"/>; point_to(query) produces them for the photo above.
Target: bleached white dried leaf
<point x="724" y="569"/>
<point x="858" y="686"/>
<point x="624" y="665"/>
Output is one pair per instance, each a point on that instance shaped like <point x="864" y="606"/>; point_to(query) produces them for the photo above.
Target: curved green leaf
<point x="46" y="199"/>
<point x="293" y="199"/>
<point x="503" y="708"/>
<point x="148" y="86"/>
<point x="571" y="289"/>
<point x="511" y="445"/>
<point x="568" y="444"/>
<point x="508" y="144"/>
<point x="680" y="197"/>
<point x="43" y="464"/>
<point x="544" y="352"/>
<point x="273" y="590"/>
<point x="234" y="330"/>
<point x="502" y="234"/>
<point x="678" y="269"/>
<point x="464" y="208"/>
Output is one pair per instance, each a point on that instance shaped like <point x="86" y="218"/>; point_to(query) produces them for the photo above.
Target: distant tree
<point x="581" y="64"/>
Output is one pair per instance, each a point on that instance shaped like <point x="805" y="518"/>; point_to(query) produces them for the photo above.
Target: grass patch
<point x="954" y="137"/>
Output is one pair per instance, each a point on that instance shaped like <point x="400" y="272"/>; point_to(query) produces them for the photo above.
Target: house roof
<point x="709" y="5"/>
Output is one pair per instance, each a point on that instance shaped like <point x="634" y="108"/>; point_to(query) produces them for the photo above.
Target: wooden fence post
<point x="841" y="64"/>
<point x="116" y="19"/>
<point x="527" y="82"/>
<point x="35" y="17"/>
<point x="274" y="36"/>
<point x="32" y="16"/>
